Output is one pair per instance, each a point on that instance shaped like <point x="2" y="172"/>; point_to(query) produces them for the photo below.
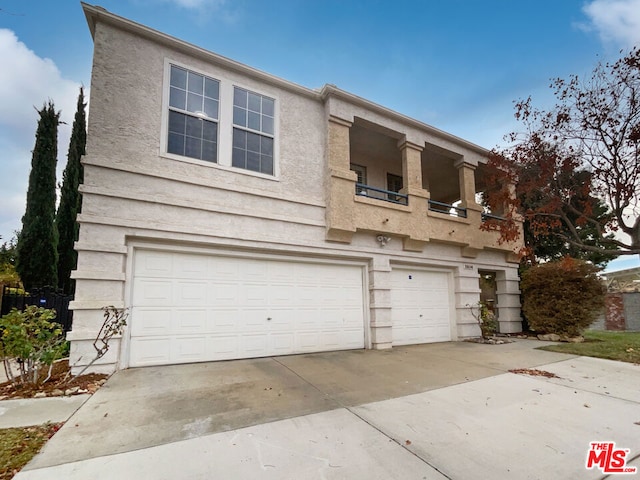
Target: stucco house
<point x="237" y="214"/>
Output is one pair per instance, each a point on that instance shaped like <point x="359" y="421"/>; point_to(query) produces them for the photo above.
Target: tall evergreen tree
<point x="70" y="199"/>
<point x="37" y="254"/>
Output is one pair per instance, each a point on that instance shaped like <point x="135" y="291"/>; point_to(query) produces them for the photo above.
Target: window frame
<point x="200" y="115"/>
<point x="225" y="120"/>
<point x="248" y="130"/>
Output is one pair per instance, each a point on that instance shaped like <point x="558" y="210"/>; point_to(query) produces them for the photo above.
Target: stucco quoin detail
<point x="220" y="260"/>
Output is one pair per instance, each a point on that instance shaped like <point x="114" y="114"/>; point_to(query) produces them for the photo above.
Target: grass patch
<point x="19" y="445"/>
<point x="622" y="346"/>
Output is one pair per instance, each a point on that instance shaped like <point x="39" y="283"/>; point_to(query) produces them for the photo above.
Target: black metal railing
<point x="447" y="209"/>
<point x="47" y="297"/>
<point x="382" y="194"/>
<point x="490" y="216"/>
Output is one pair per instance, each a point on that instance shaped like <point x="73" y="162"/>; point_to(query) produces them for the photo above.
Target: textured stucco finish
<point x="134" y="194"/>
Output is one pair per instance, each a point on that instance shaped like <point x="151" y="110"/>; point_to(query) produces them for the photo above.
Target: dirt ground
<point x="59" y="384"/>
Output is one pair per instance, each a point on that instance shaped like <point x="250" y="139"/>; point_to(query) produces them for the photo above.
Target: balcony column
<point x="467" y="181"/>
<point x="411" y="167"/>
<point x="341" y="183"/>
<point x="418" y="196"/>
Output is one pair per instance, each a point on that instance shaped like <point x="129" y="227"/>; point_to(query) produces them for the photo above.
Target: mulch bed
<point x="59" y="381"/>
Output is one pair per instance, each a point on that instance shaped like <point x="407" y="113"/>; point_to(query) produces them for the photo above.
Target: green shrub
<point x="33" y="340"/>
<point x="562" y="297"/>
<point x="8" y="274"/>
<point x="487" y="321"/>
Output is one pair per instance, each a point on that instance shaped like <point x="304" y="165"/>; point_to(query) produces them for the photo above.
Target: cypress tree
<point x="70" y="199"/>
<point x="36" y="251"/>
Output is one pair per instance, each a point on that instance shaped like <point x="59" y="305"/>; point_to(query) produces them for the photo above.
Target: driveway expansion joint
<point x="397" y="442"/>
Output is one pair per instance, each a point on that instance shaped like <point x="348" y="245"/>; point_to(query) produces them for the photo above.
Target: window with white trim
<point x="253" y="131"/>
<point x="193" y="115"/>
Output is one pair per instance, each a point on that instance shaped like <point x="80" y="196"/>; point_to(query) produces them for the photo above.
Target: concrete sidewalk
<point x="429" y="411"/>
<point x="36" y="411"/>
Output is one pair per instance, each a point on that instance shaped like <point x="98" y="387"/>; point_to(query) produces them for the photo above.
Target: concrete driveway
<point x="434" y="411"/>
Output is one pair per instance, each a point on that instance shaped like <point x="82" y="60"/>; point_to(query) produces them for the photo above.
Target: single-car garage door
<point x="420" y="310"/>
<point x="193" y="308"/>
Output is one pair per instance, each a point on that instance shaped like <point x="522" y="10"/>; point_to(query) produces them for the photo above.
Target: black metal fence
<point x="13" y="297"/>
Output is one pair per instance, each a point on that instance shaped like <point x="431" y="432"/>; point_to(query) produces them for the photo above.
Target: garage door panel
<point x="222" y="347"/>
<point x="281" y="320"/>
<point x="353" y="338"/>
<point x="253" y="295"/>
<point x="308" y="318"/>
<point x="150" y="321"/>
<point x="223" y="321"/>
<point x="189" y="321"/>
<point x="191" y="267"/>
<point x="189" y="307"/>
<point x="188" y="349"/>
<point x="349" y="319"/>
<point x="157" y="265"/>
<point x="252" y="271"/>
<point x="282" y="343"/>
<point x="150" y="351"/>
<point x="153" y="292"/>
<point x="224" y="295"/>
<point x="190" y="293"/>
<point x="253" y="320"/>
<point x="280" y="294"/>
<point x="222" y="269"/>
<point x="254" y="345"/>
<point x="309" y="341"/>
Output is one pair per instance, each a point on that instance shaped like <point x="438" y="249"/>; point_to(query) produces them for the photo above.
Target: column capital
<point x="340" y="121"/>
<point x="462" y="163"/>
<point x="403" y="144"/>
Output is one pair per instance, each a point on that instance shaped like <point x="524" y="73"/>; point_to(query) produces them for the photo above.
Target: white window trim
<point x="225" y="123"/>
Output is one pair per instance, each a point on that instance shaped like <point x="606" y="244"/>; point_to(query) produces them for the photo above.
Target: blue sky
<point x="457" y="64"/>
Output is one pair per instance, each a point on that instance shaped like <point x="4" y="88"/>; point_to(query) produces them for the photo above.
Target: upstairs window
<point x="193" y="115"/>
<point x="253" y="131"/>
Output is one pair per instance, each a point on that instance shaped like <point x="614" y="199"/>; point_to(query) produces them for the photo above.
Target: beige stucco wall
<point x="134" y="193"/>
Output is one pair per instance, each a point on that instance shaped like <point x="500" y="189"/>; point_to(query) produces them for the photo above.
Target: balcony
<point x="421" y="192"/>
<point x="447" y="208"/>
<point x="381" y="194"/>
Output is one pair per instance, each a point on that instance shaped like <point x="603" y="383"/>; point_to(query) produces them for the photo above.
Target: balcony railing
<point x="447" y="209"/>
<point x="489" y="216"/>
<point x="381" y="194"/>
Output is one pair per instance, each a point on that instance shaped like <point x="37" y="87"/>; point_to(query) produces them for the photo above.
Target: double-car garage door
<point x="193" y="308"/>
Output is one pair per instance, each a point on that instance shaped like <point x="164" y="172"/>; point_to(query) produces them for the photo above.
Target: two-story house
<point x="236" y="214"/>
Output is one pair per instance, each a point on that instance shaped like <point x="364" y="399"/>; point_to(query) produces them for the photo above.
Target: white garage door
<point x="420" y="309"/>
<point x="194" y="308"/>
